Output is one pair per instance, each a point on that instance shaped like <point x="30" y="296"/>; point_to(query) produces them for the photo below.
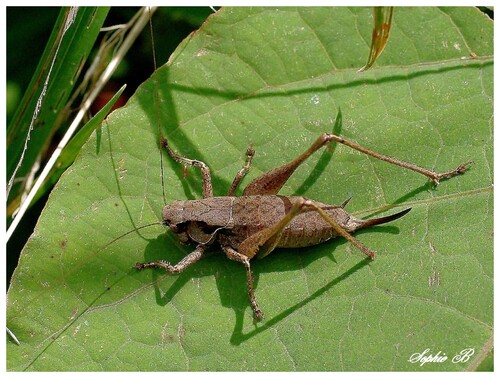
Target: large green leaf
<point x="274" y="79"/>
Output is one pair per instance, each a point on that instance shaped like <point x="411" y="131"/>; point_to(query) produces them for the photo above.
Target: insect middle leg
<point x="242" y="172"/>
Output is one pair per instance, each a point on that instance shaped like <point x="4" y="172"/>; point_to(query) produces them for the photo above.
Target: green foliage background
<point x="274" y="79"/>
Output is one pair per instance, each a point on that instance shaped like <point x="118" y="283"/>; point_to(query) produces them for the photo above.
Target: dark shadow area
<point x="21" y="235"/>
<point x="324" y="159"/>
<point x="239" y="337"/>
<point x="472" y="63"/>
<point x="231" y="280"/>
<point x="406" y="197"/>
<point x="160" y="249"/>
<point x="164" y="123"/>
<point x="135" y="227"/>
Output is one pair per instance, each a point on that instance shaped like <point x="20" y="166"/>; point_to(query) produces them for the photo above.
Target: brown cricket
<point x="254" y="224"/>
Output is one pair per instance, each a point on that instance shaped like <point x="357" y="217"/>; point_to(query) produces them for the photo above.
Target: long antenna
<point x="157" y="107"/>
<point x="129" y="232"/>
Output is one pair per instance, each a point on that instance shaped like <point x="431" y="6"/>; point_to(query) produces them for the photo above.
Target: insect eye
<point x="176" y="228"/>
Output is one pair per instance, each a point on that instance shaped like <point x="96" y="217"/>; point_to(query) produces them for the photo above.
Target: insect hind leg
<point x="272" y="181"/>
<point x="434" y="176"/>
<point x="338" y="229"/>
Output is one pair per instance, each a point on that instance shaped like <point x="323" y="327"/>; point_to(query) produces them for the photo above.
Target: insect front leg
<point x="180" y="266"/>
<point x="205" y="170"/>
<point x="236" y="256"/>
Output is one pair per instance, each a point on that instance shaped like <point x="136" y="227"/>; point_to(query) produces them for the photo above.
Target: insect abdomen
<point x="309" y="228"/>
